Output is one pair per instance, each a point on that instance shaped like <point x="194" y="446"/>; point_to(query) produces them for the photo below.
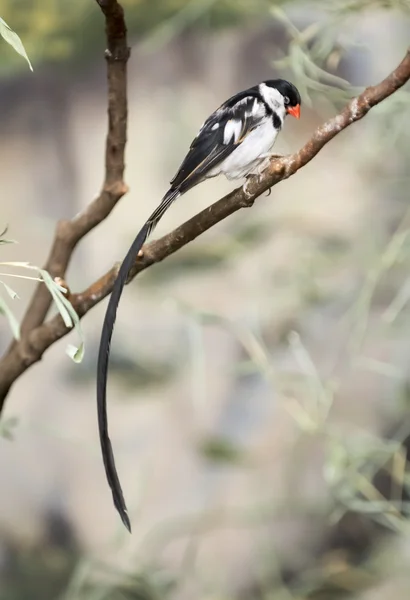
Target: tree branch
<point x="70" y="232"/>
<point x="32" y="346"/>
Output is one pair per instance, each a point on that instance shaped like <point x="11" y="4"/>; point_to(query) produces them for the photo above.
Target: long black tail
<point x="104" y="353"/>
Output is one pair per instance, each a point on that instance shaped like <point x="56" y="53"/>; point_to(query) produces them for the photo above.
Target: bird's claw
<point x="269" y="156"/>
<point x="245" y="187"/>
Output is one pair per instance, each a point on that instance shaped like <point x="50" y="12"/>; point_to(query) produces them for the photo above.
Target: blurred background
<point x="259" y="379"/>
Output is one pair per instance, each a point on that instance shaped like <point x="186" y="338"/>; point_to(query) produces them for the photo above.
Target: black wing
<point x="221" y="133"/>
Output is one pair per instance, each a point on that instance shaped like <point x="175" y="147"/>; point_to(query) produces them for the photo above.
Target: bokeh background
<point x="259" y="380"/>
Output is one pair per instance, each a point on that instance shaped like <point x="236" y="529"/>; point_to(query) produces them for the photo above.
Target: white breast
<point x="246" y="157"/>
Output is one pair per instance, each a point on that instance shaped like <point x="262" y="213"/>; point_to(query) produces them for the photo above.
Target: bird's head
<point x="285" y="93"/>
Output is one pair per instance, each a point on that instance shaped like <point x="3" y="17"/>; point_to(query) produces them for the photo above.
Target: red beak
<point x="294" y="111"/>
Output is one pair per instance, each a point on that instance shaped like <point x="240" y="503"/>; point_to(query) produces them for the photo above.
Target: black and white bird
<point x="235" y="140"/>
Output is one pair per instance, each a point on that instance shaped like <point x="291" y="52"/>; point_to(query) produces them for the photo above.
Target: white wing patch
<point x="243" y="101"/>
<point x="258" y="109"/>
<point x="233" y="130"/>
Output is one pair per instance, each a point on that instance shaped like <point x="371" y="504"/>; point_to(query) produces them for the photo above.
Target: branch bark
<point x="40" y="337"/>
<point x="70" y="232"/>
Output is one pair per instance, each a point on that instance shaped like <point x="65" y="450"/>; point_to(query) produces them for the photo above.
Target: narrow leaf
<point x="57" y="297"/>
<point x="7" y="427"/>
<point x="17" y="263"/>
<point x="76" y="354"/>
<point x="13" y="39"/>
<point x="20" y="276"/>
<point x="67" y="313"/>
<point x="13" y="295"/>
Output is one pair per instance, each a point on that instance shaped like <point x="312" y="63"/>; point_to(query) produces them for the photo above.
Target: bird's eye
<point x="286" y="100"/>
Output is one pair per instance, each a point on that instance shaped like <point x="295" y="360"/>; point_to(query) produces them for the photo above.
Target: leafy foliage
<point x="57" y="292"/>
<point x="54" y="30"/>
<point x="13" y="39"/>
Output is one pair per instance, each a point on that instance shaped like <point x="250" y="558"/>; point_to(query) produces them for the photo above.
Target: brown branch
<point x="70" y="232"/>
<point x="31" y="348"/>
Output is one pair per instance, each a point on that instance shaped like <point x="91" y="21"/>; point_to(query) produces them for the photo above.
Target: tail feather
<point x="104" y="352"/>
<point x="158" y="213"/>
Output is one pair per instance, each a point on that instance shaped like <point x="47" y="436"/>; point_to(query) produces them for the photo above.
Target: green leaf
<point x="221" y="450"/>
<point x="13" y="39"/>
<point x="68" y="314"/>
<point x="5" y="310"/>
<point x="64" y="307"/>
<point x="17" y="263"/>
<point x="56" y="292"/>
<point x="76" y="354"/>
<point x="7" y="426"/>
<point x="13" y="295"/>
<point x="3" y="240"/>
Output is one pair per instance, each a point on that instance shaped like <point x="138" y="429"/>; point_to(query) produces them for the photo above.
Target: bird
<point x="235" y="140"/>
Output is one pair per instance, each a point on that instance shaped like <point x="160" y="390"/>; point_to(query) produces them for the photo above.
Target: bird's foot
<point x="264" y="164"/>
<point x="261" y="168"/>
<point x="258" y="172"/>
<point x="249" y="179"/>
<point x="270" y="156"/>
<point x="267" y="157"/>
